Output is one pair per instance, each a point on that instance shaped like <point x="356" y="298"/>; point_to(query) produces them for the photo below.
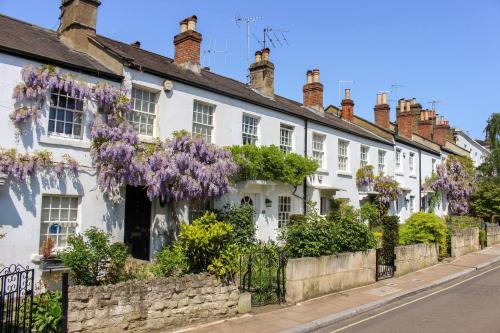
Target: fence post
<point x="64" y="302"/>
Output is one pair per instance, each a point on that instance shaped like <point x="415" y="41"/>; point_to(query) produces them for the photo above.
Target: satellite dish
<point x="168" y="85"/>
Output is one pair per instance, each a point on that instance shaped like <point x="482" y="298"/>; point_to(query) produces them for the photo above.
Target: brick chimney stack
<point x="441" y="131"/>
<point x="404" y="118"/>
<point x="78" y="21"/>
<point x="426" y="124"/>
<point x="347" y="106"/>
<point x="313" y="91"/>
<point x="262" y="73"/>
<point x="188" y="45"/>
<point x="416" y="109"/>
<point x="382" y="111"/>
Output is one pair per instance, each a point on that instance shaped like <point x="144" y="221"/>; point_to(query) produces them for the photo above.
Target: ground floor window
<point x="323" y="205"/>
<point x="284" y="209"/>
<point x="198" y="208"/>
<point x="58" y="219"/>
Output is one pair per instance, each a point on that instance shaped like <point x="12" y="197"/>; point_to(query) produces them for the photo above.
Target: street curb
<point x="349" y="313"/>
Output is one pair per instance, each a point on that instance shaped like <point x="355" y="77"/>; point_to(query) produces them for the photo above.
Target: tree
<point x="485" y="201"/>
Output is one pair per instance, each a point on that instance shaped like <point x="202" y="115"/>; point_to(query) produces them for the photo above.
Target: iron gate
<point x="385" y="258"/>
<point x="16" y="289"/>
<point x="262" y="273"/>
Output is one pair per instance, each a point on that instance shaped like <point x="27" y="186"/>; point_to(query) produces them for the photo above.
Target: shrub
<point x="47" y="312"/>
<point x="93" y="260"/>
<point x="485" y="201"/>
<point x="227" y="264"/>
<point x="370" y="214"/>
<point x="241" y="218"/>
<point x="136" y="269"/>
<point x="342" y="231"/>
<point x="390" y="232"/>
<point x="424" y="228"/>
<point x="170" y="261"/>
<point x="456" y="223"/>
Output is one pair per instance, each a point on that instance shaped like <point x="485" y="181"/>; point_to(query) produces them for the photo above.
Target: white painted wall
<point x="477" y="152"/>
<point x="408" y="180"/>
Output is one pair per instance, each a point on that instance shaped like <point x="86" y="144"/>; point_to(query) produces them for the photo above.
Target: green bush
<point x="170" y="261"/>
<point x="370" y="214"/>
<point x="93" y="260"/>
<point x="390" y="232"/>
<point x="226" y="265"/>
<point x="242" y="220"/>
<point x="47" y="312"/>
<point x="455" y="223"/>
<point x="315" y="235"/>
<point x="424" y="228"/>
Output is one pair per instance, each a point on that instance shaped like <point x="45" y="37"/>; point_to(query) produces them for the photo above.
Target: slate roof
<point x="21" y="38"/>
<point x="31" y="41"/>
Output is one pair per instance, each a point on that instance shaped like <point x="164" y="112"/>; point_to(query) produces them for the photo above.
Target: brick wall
<point x="313" y="95"/>
<point x="382" y="115"/>
<point x="187" y="47"/>
<point x="150" y="305"/>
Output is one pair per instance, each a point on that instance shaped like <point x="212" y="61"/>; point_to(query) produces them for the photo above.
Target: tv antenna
<point x="210" y="53"/>
<point x="272" y="37"/>
<point x="434" y="103"/>
<point x="248" y="20"/>
<point x="394" y="89"/>
<point x="343" y="82"/>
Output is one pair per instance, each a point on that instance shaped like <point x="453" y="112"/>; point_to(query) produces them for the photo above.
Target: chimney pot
<point x="408" y="106"/>
<point x="347" y="106"/>
<point x="136" y="44"/>
<point x="316" y="75"/>
<point x="184" y="25"/>
<point x="384" y="98"/>
<point x="347" y="93"/>
<point x="258" y="56"/>
<point x="309" y="76"/>
<point x="379" y="98"/>
<point x="265" y="54"/>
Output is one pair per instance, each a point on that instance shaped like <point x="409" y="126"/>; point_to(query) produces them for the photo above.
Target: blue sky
<point x="447" y="50"/>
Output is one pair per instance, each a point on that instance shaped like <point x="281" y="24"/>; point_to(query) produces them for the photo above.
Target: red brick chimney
<point x="187" y="45"/>
<point x="426" y="124"/>
<point x="382" y="111"/>
<point x="347" y="106"/>
<point x="262" y="73"/>
<point x="441" y="131"/>
<point x="404" y="119"/>
<point x="416" y="109"/>
<point x="313" y="91"/>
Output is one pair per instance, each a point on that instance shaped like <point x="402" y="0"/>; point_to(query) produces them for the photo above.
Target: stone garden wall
<point x="464" y="241"/>
<point x="493" y="233"/>
<point x="150" y="305"/>
<point x="411" y="258"/>
<point x="312" y="277"/>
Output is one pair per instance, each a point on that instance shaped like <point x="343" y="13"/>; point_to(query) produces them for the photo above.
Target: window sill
<point x="146" y="138"/>
<point x="344" y="173"/>
<point x="413" y="176"/>
<point x="62" y="141"/>
<point x="322" y="171"/>
<point x="398" y="173"/>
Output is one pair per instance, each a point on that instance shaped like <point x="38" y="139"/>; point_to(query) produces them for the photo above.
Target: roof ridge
<point x="141" y="49"/>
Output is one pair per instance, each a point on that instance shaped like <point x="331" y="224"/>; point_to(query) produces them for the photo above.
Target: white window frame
<point x="412" y="204"/>
<point x="411" y="161"/>
<point x="51" y="214"/>
<point x="144" y="128"/>
<point x="284" y="210"/>
<point x="249" y="129"/>
<point x="197" y="208"/>
<point x="286" y="138"/>
<point x="65" y="110"/>
<point x="318" y="149"/>
<point x="203" y="122"/>
<point x="381" y="162"/>
<point x="397" y="161"/>
<point x="364" y="156"/>
<point x="433" y="161"/>
<point x="343" y="156"/>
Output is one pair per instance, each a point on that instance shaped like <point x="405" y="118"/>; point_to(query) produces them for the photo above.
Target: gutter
<point x="304" y="185"/>
<point x="420" y="178"/>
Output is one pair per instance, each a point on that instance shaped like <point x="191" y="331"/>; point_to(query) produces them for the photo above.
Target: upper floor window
<point x="412" y="163"/>
<point x="65" y="115"/>
<point x="249" y="127"/>
<point x="381" y="162"/>
<point x="364" y="156"/>
<point x="58" y="219"/>
<point x="318" y="152"/>
<point x="203" y="120"/>
<point x="343" y="155"/>
<point x="143" y="113"/>
<point x="398" y="160"/>
<point x="286" y="138"/>
<point x="433" y="165"/>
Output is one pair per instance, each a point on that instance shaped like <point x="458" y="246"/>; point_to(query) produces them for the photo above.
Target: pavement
<point x="322" y="312"/>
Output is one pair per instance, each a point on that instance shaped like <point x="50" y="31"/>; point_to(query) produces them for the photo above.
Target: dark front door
<point x="137" y="222"/>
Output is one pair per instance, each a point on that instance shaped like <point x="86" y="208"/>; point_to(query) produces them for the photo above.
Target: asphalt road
<point x="470" y="305"/>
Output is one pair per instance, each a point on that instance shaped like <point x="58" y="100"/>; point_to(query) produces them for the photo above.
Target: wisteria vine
<point x="388" y="190"/>
<point x="452" y="179"/>
<point x="365" y="176"/>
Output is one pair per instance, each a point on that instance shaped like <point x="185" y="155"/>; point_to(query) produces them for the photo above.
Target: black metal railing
<point x="16" y="291"/>
<point x="385" y="258"/>
<point x="262" y="273"/>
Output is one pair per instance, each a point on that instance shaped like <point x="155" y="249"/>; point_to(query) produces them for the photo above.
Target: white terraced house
<point x="176" y="94"/>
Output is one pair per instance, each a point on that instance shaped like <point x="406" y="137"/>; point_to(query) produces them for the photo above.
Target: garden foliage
<point x="241" y="218"/>
<point x="424" y="228"/>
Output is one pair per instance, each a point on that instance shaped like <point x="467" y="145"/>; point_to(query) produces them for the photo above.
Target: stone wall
<point x="311" y="277"/>
<point x="493" y="233"/>
<point x="464" y="241"/>
<point x="411" y="258"/>
<point x="150" y="305"/>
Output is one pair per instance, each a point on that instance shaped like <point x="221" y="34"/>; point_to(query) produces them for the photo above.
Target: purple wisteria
<point x="23" y="166"/>
<point x="388" y="190"/>
<point x="453" y="179"/>
<point x="365" y="176"/>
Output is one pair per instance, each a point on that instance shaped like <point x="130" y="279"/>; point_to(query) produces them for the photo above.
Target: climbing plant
<point x="388" y="190"/>
<point x="365" y="176"/>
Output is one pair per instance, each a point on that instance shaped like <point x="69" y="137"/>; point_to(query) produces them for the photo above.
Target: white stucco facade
<point x="476" y="151"/>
